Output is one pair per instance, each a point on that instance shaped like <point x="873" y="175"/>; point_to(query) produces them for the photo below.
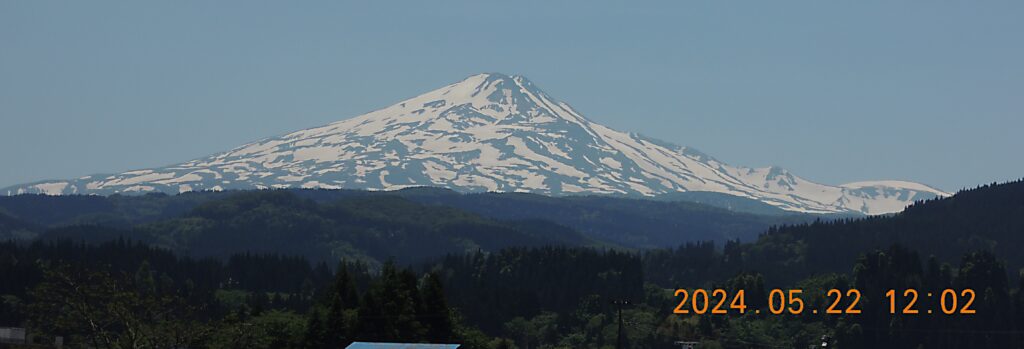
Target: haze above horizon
<point x="835" y="92"/>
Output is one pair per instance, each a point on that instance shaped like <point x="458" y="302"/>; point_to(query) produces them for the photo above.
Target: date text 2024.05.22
<point x="908" y="301"/>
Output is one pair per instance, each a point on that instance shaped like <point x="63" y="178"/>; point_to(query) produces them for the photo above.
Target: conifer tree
<point x="342" y="297"/>
<point x="435" y="314"/>
<point x="315" y="335"/>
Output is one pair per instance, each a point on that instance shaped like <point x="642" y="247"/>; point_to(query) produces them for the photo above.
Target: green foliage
<point x="103" y="311"/>
<point x="987" y="218"/>
<point x="435" y="314"/>
<point x="124" y="294"/>
<point x="524" y="282"/>
<point x="12" y="228"/>
<point x="633" y="223"/>
<point x="371" y="229"/>
<point x="588" y="221"/>
<point x="272" y="329"/>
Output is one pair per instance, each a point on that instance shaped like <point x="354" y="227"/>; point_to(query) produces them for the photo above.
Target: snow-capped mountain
<point x="489" y="132"/>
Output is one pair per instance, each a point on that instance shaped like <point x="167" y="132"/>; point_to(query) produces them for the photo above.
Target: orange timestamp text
<point x="791" y="301"/>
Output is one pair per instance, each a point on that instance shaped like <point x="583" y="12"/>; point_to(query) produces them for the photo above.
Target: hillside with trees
<point x="552" y="291"/>
<point x="371" y="229"/>
<point x="632" y="223"/>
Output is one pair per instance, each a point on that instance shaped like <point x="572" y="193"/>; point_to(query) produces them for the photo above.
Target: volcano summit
<point x="489" y="132"/>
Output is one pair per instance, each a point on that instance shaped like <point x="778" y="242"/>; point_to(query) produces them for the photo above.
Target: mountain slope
<point x="489" y="132"/>
<point x="12" y="228"/>
<point x="626" y="222"/>
<point x="987" y="218"/>
<point x="368" y="228"/>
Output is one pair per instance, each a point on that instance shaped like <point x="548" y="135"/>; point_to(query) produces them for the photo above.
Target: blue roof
<point x="367" y="345"/>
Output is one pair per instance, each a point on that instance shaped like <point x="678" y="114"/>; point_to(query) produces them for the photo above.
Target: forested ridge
<point x="631" y="222"/>
<point x="366" y="228"/>
<point x="523" y="297"/>
<point x="554" y="288"/>
<point x="624" y="222"/>
<point x="987" y="218"/>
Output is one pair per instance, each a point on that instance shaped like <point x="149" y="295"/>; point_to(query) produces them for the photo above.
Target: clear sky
<point x="930" y="91"/>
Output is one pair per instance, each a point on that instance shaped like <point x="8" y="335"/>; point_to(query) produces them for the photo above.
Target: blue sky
<point x="836" y="92"/>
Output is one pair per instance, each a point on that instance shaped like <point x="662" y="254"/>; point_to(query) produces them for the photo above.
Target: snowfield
<point x="489" y="132"/>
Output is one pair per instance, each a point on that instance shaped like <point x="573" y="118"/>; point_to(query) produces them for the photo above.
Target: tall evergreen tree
<point x="388" y="311"/>
<point x="316" y="332"/>
<point x="435" y="313"/>
<point x="342" y="297"/>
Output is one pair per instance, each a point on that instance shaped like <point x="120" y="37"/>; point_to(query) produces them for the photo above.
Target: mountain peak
<point x="483" y="81"/>
<point x="487" y="132"/>
<point x="495" y="76"/>
<point x="498" y="81"/>
<point x="483" y="98"/>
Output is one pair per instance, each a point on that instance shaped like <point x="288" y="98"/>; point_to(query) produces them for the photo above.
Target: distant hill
<point x="987" y="218"/>
<point x="726" y="201"/>
<point x="630" y="222"/>
<point x="633" y="223"/>
<point x="370" y="228"/>
<point x="115" y="210"/>
<point x="16" y="229"/>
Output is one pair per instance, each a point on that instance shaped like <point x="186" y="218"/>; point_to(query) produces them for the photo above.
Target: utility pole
<point x="621" y="341"/>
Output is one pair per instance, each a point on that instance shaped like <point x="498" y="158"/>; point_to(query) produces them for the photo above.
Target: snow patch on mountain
<point x="489" y="132"/>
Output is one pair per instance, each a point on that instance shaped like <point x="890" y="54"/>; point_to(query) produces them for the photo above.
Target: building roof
<point x="368" y="345"/>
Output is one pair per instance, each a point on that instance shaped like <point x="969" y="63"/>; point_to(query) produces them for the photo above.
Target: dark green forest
<point x="280" y="269"/>
<point x="624" y="222"/>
